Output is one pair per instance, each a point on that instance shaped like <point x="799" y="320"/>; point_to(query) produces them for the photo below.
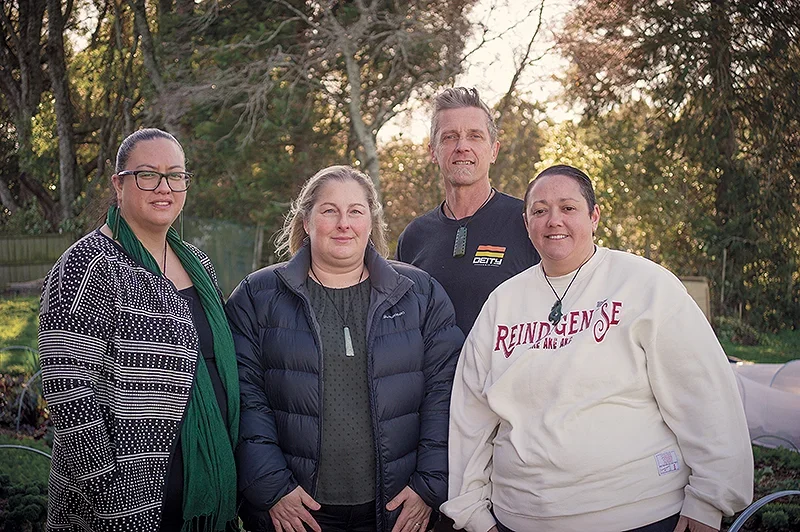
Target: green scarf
<point x="209" y="474"/>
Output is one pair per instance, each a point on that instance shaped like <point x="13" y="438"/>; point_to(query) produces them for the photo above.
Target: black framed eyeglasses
<point x="150" y="179"/>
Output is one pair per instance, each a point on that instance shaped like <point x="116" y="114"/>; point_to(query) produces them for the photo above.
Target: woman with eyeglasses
<point x="138" y="363"/>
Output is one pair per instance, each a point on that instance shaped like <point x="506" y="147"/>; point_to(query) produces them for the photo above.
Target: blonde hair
<point x="293" y="235"/>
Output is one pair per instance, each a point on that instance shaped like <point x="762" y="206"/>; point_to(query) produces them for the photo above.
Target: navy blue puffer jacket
<point x="413" y="344"/>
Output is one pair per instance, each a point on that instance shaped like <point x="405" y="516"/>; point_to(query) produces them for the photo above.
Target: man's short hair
<point x="459" y="98"/>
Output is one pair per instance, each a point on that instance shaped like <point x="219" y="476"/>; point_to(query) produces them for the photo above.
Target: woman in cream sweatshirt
<point x="592" y="394"/>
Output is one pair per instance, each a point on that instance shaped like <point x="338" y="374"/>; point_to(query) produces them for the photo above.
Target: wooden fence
<point x="30" y="257"/>
<point x="234" y="249"/>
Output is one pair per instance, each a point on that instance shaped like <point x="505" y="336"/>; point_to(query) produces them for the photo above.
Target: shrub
<point x="23" y="508"/>
<point x="34" y="417"/>
<point x="775" y="519"/>
<point x="736" y="331"/>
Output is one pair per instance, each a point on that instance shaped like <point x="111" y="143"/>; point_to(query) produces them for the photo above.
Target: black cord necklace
<point x="348" y="340"/>
<point x="164" y="269"/>
<point x="555" y="311"/>
<point x="460" y="246"/>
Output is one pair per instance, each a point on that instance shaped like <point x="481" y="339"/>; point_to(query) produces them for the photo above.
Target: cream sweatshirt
<point x="624" y="413"/>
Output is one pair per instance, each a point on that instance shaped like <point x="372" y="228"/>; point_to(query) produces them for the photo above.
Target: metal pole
<point x="25" y="448"/>
<point x="753" y="508"/>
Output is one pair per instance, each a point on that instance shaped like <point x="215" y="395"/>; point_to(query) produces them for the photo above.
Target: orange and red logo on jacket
<point x="489" y="255"/>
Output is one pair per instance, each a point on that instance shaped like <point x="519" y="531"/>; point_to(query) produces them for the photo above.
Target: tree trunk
<point x="731" y="200"/>
<point x="370" y="162"/>
<point x="21" y="77"/>
<point x="723" y="126"/>
<point x="148" y="48"/>
<point x="49" y="208"/>
<point x="150" y="61"/>
<point x="59" y="82"/>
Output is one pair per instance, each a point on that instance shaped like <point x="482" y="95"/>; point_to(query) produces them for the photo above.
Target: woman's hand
<point x="694" y="526"/>
<point x="415" y="513"/>
<point x="289" y="513"/>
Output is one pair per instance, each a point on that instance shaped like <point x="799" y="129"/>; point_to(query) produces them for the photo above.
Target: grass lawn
<point x="23" y="467"/>
<point x="18" y="327"/>
<point x="774" y="349"/>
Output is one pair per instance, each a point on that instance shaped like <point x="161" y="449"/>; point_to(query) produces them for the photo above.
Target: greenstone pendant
<point x="555" y="313"/>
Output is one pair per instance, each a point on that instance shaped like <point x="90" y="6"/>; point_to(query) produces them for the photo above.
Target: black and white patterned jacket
<point x="118" y="352"/>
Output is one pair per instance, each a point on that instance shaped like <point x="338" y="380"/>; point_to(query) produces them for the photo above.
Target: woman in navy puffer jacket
<point x="346" y="363"/>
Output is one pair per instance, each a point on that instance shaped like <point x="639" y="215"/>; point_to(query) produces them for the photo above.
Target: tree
<point x="251" y="137"/>
<point x="40" y="98"/>
<point x="368" y="57"/>
<point x="411" y="184"/>
<point x="521" y="140"/>
<point x="59" y="82"/>
<point x="708" y="68"/>
<point x="22" y="82"/>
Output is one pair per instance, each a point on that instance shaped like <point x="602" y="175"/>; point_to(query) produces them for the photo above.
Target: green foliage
<point x="719" y="86"/>
<point x="21" y="466"/>
<point x="18" y="327"/>
<point x="775" y="519"/>
<point x="411" y="185"/>
<point x="652" y="203"/>
<point x="23" y="485"/>
<point x="523" y="135"/>
<point x="775" y="470"/>
<point x="29" y="220"/>
<point x="33" y="416"/>
<point x="24" y="507"/>
<point x="736" y="331"/>
<point x="776" y="459"/>
<point x="250" y="138"/>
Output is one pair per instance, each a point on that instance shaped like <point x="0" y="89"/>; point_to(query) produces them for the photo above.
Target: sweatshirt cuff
<point x="481" y="521"/>
<point x="701" y="511"/>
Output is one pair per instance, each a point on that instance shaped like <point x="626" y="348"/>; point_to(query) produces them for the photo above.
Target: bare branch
<point x="524" y="62"/>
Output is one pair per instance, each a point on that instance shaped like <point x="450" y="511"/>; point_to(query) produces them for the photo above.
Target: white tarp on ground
<point x="771" y="397"/>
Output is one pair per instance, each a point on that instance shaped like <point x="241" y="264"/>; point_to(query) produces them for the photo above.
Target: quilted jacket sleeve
<point x="443" y="340"/>
<point x="263" y="476"/>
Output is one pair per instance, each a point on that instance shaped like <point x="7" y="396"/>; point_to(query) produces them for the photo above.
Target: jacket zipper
<point x="380" y="501"/>
<point x="386" y="303"/>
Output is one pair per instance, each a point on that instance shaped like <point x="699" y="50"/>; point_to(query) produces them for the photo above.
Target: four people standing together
<point x="590" y="394"/>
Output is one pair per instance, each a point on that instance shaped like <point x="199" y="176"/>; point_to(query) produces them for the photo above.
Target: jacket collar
<point x="383" y="278"/>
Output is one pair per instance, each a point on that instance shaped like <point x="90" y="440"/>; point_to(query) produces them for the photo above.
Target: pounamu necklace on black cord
<point x="348" y="340"/>
<point x="460" y="246"/>
<point x="556" y="310"/>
